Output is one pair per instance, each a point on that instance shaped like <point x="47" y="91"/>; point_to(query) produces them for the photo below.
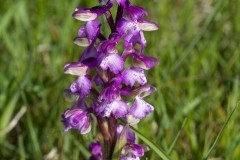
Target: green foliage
<point x="198" y="79"/>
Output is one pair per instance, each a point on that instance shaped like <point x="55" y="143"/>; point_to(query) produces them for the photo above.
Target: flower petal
<point x="89" y="56"/>
<point x="123" y="3"/>
<point x="147" y="25"/>
<point x="134" y="12"/>
<point x="119" y="108"/>
<point x="81" y="41"/>
<point x="135" y="38"/>
<point x="132" y="120"/>
<point x="140" y="109"/>
<point x="109" y="93"/>
<point x="95" y="149"/>
<point x="89" y="14"/>
<point x="113" y="62"/>
<point x="90" y="30"/>
<point x="142" y="61"/>
<point x="102" y="109"/>
<point x="81" y="86"/>
<point x="132" y="75"/>
<point x="75" y="68"/>
<point x="143" y="91"/>
<point x="132" y="151"/>
<point x="129" y="135"/>
<point x="76" y="118"/>
<point x="88" y="33"/>
<point x="108" y="47"/>
<point x="124" y="25"/>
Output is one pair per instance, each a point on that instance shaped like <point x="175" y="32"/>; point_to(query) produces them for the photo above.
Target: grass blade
<point x="34" y="138"/>
<point x="177" y="136"/>
<point x="220" y="134"/>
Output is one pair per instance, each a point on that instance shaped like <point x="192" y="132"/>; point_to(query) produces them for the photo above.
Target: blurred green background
<point x="197" y="81"/>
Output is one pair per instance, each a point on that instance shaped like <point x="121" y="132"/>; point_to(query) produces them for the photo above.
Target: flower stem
<point x="119" y="14"/>
<point x="106" y="136"/>
<point x="110" y="21"/>
<point x="113" y="132"/>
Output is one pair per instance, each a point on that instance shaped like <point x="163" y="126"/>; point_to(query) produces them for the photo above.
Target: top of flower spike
<point x="104" y="58"/>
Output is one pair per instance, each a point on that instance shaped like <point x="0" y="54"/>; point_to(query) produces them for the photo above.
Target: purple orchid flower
<point x="116" y="91"/>
<point x="76" y="118"/>
<point x="131" y="150"/>
<point x="88" y="33"/>
<point x="96" y="151"/>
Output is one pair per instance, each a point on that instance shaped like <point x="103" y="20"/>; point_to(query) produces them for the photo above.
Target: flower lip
<point x="113" y="62"/>
<point x="105" y="108"/>
<point x="109" y="93"/>
<point x="140" y="109"/>
<point x="132" y="75"/>
<point x="81" y="86"/>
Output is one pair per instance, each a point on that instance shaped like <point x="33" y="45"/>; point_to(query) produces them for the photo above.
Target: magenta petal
<point x="102" y="109"/>
<point x="108" y="47"/>
<point x="140" y="109"/>
<point x="123" y="3"/>
<point x="135" y="38"/>
<point x="109" y="93"/>
<point x="132" y="75"/>
<point x="132" y="152"/>
<point x="75" y="68"/>
<point x="81" y="86"/>
<point x="96" y="150"/>
<point x="144" y="62"/>
<point x="135" y="12"/>
<point x="125" y="25"/>
<point x="89" y="56"/>
<point x="90" y="30"/>
<point x="87" y="33"/>
<point x="75" y="118"/>
<point x="119" y="108"/>
<point x="113" y="62"/>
